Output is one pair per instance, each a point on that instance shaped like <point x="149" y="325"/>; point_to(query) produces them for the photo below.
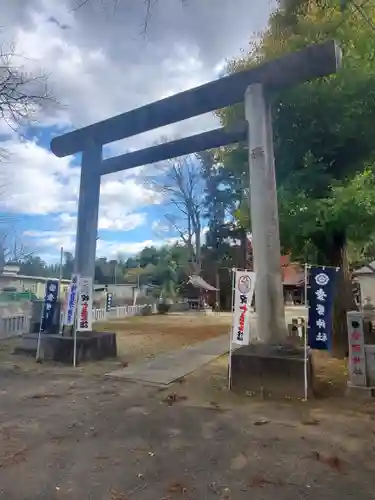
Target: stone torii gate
<point x="251" y="86"/>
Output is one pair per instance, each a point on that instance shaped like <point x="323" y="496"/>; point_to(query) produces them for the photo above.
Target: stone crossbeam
<point x="309" y="63"/>
<point x="174" y="149"/>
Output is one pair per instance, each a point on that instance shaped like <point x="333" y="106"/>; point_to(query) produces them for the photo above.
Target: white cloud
<point x="35" y="182"/>
<point x="160" y="227"/>
<point x="44" y="240"/>
<point x="99" y="65"/>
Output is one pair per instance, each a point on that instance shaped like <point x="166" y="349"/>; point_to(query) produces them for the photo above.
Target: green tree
<point x="148" y="255"/>
<point x="68" y="266"/>
<point x="323" y="140"/>
<point x="34" y="266"/>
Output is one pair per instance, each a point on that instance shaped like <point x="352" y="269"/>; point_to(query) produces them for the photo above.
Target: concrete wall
<point x="121" y="293"/>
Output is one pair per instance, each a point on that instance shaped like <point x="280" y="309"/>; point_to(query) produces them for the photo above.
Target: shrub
<point x="146" y="310"/>
<point x="163" y="308"/>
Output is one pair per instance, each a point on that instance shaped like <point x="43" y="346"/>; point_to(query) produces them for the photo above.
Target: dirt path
<point x="142" y="337"/>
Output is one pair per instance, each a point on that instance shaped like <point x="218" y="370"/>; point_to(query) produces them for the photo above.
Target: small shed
<point x="365" y="276"/>
<point x="293" y="281"/>
<point x="197" y="291"/>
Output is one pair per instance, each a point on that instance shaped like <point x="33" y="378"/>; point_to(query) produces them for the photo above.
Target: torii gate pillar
<point x="269" y="298"/>
<point x="88" y="210"/>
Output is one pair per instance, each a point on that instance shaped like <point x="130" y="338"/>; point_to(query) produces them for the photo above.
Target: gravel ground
<point x="93" y="438"/>
<point x="74" y="434"/>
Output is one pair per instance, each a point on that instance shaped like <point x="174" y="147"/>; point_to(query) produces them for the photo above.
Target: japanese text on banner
<point x="243" y="296"/>
<point x="84" y="313"/>
<point x="72" y="301"/>
<point x="50" y="300"/>
<point x="320" y="297"/>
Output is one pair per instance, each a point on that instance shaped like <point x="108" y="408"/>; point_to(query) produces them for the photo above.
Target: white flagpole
<point x="61" y="318"/>
<point x="231" y="331"/>
<point x="75" y="339"/>
<point x="305" y="336"/>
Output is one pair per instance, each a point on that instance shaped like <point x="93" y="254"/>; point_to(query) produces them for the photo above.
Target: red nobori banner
<point x="84" y="310"/>
<point x="244" y="285"/>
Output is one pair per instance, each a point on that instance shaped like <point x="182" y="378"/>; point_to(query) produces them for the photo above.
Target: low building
<point x="12" y="281"/>
<point x="293" y="281"/>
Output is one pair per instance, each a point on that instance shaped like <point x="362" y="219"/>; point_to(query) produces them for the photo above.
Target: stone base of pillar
<point x="271" y="371"/>
<point x="91" y="346"/>
<point x="360" y="393"/>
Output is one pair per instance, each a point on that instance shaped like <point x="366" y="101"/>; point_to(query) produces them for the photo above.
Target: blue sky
<point x="100" y="64"/>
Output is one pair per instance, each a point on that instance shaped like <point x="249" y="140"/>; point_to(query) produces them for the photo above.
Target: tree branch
<point x="22" y="95"/>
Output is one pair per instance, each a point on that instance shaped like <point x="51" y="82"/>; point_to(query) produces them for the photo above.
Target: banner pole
<point x="61" y="319"/>
<point x="37" y="357"/>
<point x="305" y="336"/>
<point x="75" y="340"/>
<point x="231" y="331"/>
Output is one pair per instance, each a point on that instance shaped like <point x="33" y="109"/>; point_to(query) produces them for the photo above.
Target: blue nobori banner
<point x="320" y="297"/>
<point x="72" y="301"/>
<point x="50" y="300"/>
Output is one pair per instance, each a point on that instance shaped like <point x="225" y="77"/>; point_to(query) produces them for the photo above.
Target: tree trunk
<point x="198" y="248"/>
<point x="217" y="286"/>
<point x="336" y="255"/>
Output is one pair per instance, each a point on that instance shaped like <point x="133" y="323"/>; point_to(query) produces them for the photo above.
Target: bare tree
<point x="11" y="247"/>
<point x="22" y="94"/>
<point x="180" y="184"/>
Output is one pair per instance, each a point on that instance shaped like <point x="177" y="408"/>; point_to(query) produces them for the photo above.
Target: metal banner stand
<point x="307" y="267"/>
<point x="231" y="331"/>
<point x="75" y="324"/>
<point x="37" y="357"/>
<point x="305" y="335"/>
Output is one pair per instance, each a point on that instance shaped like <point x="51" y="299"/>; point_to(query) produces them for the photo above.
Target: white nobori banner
<point x="84" y="312"/>
<point x="244" y="285"/>
<point x="71" y="303"/>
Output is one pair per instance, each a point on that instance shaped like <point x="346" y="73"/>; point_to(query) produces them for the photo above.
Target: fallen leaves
<point x="262" y="421"/>
<point x="176" y="487"/>
<point x="13" y="458"/>
<point x="117" y="495"/>
<point x="259" y="481"/>
<point x="44" y="396"/>
<point x="172" y="398"/>
<point x="310" y="421"/>
<point x="332" y="461"/>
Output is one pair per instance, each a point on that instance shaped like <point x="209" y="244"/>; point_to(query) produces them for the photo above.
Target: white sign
<point x="244" y="283"/>
<point x="84" y="313"/>
<point x="357" y="361"/>
<point x="72" y="301"/>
